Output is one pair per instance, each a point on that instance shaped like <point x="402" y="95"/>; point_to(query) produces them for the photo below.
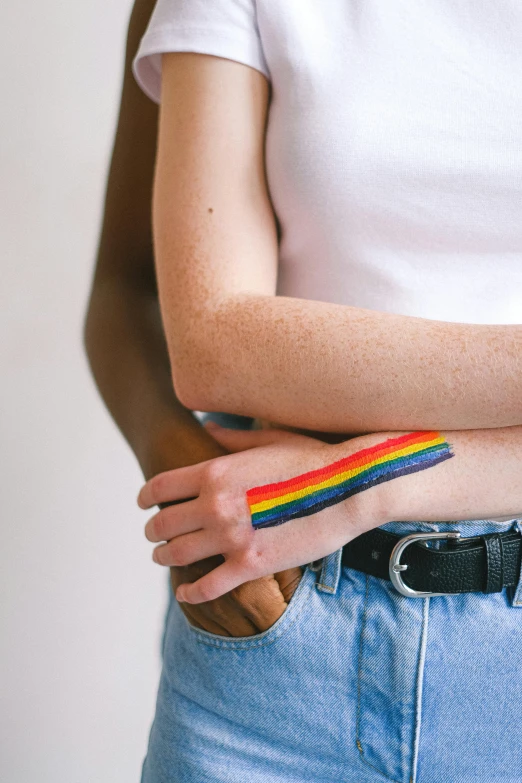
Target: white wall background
<point x="81" y="601"/>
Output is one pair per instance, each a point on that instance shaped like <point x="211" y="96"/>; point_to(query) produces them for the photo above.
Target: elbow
<point x="188" y="393"/>
<point x="204" y="364"/>
<point x="196" y="382"/>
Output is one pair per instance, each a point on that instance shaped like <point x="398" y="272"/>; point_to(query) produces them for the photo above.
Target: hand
<point x="248" y="609"/>
<point x="217" y="519"/>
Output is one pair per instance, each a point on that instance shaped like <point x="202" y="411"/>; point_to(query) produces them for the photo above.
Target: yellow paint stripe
<point x="264" y="505"/>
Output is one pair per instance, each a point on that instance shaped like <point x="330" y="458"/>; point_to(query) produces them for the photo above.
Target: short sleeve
<point x="225" y="28"/>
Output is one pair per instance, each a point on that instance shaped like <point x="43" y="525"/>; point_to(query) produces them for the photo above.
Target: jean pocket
<point x="292" y="613"/>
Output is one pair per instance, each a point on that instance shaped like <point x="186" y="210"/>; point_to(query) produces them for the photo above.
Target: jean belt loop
<point x="329" y="572"/>
<point x="517" y="593"/>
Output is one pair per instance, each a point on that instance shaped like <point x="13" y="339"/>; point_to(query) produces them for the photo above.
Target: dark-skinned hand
<point x="246" y="610"/>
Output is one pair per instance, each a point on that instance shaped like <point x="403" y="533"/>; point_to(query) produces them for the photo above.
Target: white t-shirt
<point x="393" y="148"/>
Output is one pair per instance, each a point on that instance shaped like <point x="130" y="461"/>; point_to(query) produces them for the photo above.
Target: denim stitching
<point x="359" y="670"/>
<point x="359" y="666"/>
<point x="518" y="587"/>
<point x="331" y="563"/>
<point x="418" y="689"/>
<point x="325" y="587"/>
<point x="223" y="645"/>
<point x="270" y="638"/>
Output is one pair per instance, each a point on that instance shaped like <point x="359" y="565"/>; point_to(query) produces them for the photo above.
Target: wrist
<point x="373" y="463"/>
<point x="374" y="505"/>
<point x="176" y="446"/>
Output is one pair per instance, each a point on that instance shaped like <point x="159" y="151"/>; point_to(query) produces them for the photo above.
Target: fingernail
<point x="180" y="596"/>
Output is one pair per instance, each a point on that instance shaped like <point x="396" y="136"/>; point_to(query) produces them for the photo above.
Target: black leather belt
<point x="486" y="563"/>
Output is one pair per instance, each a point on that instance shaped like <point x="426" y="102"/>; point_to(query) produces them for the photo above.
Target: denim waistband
<point x="329" y="568"/>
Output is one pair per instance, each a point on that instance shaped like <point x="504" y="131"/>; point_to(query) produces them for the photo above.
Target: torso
<point x="394" y="154"/>
<point x="393" y="147"/>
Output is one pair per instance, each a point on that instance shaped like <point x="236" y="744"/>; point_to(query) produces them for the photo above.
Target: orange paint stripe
<point x="360" y="458"/>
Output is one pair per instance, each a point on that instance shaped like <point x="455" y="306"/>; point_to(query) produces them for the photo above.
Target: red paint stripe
<point x="359" y="459"/>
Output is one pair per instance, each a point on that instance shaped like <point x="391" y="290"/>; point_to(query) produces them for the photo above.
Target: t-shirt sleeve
<point x="225" y="28"/>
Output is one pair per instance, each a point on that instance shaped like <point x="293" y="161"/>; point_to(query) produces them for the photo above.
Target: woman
<point x="363" y="163"/>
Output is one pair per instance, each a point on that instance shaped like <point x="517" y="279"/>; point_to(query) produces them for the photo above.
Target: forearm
<point x="482" y="480"/>
<point x="336" y="368"/>
<point x="128" y="357"/>
<point x="123" y="333"/>
<point x="236" y="346"/>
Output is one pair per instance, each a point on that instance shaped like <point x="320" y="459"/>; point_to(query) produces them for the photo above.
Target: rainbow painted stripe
<point x="273" y="504"/>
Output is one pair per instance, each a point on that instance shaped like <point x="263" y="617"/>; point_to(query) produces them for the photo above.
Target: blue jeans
<point x="355" y="683"/>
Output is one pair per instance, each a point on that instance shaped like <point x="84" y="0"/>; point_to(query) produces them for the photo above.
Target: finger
<point x="174" y="521"/>
<point x="223" y="612"/>
<point x="235" y="623"/>
<point x="241" y="440"/>
<point x="187" y="549"/>
<point x="193" y="571"/>
<point x="205" y="623"/>
<point x="261" y="600"/>
<point x="288" y="581"/>
<point x="172" y="485"/>
<point x="218" y="582"/>
<point x="225" y="616"/>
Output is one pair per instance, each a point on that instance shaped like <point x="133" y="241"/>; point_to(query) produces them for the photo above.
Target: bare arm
<point x="480" y="479"/>
<point x="126" y="347"/>
<point x="235" y="346"/>
<point x="123" y="333"/>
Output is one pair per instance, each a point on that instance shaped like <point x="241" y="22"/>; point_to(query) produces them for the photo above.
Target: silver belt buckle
<point x="396" y="566"/>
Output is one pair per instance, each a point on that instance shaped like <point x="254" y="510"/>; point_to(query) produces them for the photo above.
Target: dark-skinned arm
<point x="126" y="348"/>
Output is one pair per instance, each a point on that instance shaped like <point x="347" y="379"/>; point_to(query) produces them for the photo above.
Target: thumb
<point x="241" y="440"/>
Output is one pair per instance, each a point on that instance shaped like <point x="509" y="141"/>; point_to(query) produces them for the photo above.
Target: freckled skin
<point x="238" y="348"/>
<point x="327" y="437"/>
<point x="311" y="366"/>
<point x="294" y="363"/>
